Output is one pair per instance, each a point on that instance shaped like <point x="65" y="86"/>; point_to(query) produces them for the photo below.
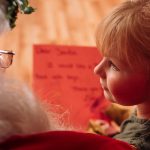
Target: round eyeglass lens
<point x="5" y="60"/>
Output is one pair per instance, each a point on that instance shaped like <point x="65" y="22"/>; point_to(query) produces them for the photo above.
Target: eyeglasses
<point x="6" y="58"/>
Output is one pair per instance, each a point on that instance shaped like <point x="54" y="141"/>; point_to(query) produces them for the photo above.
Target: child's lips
<point x="103" y="85"/>
<point x="104" y="88"/>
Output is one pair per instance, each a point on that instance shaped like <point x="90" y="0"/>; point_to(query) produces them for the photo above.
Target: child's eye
<point x="113" y="66"/>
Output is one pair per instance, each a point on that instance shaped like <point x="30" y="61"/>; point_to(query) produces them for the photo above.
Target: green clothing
<point x="136" y="132"/>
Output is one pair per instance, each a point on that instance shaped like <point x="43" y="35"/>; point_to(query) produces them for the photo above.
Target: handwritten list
<point x="63" y="76"/>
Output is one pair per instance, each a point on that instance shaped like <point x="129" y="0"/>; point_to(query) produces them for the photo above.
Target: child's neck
<point x="143" y="110"/>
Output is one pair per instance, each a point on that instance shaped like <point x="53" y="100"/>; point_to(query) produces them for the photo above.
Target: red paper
<point x="63" y="76"/>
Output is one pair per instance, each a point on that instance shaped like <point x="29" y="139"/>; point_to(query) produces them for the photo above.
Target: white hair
<point x="21" y="112"/>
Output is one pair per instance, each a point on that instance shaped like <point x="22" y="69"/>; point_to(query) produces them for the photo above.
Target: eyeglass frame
<point x="7" y="52"/>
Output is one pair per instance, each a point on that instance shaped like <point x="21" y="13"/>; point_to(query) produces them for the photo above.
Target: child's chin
<point x="109" y="97"/>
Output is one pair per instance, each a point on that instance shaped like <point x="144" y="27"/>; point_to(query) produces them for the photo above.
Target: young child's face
<point x="121" y="84"/>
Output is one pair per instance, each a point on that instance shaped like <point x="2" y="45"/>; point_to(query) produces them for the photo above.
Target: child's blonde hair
<point x="126" y="33"/>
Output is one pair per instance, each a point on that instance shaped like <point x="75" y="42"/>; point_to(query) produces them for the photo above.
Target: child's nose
<point x="100" y="68"/>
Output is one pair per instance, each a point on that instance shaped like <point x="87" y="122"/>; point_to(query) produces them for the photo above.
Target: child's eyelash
<point x="111" y="64"/>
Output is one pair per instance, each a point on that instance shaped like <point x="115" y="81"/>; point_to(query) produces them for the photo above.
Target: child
<point x="123" y="38"/>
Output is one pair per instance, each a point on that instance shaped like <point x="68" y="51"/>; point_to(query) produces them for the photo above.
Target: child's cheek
<point x="128" y="90"/>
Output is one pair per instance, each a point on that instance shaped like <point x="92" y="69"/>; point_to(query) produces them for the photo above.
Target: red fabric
<point x="63" y="140"/>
